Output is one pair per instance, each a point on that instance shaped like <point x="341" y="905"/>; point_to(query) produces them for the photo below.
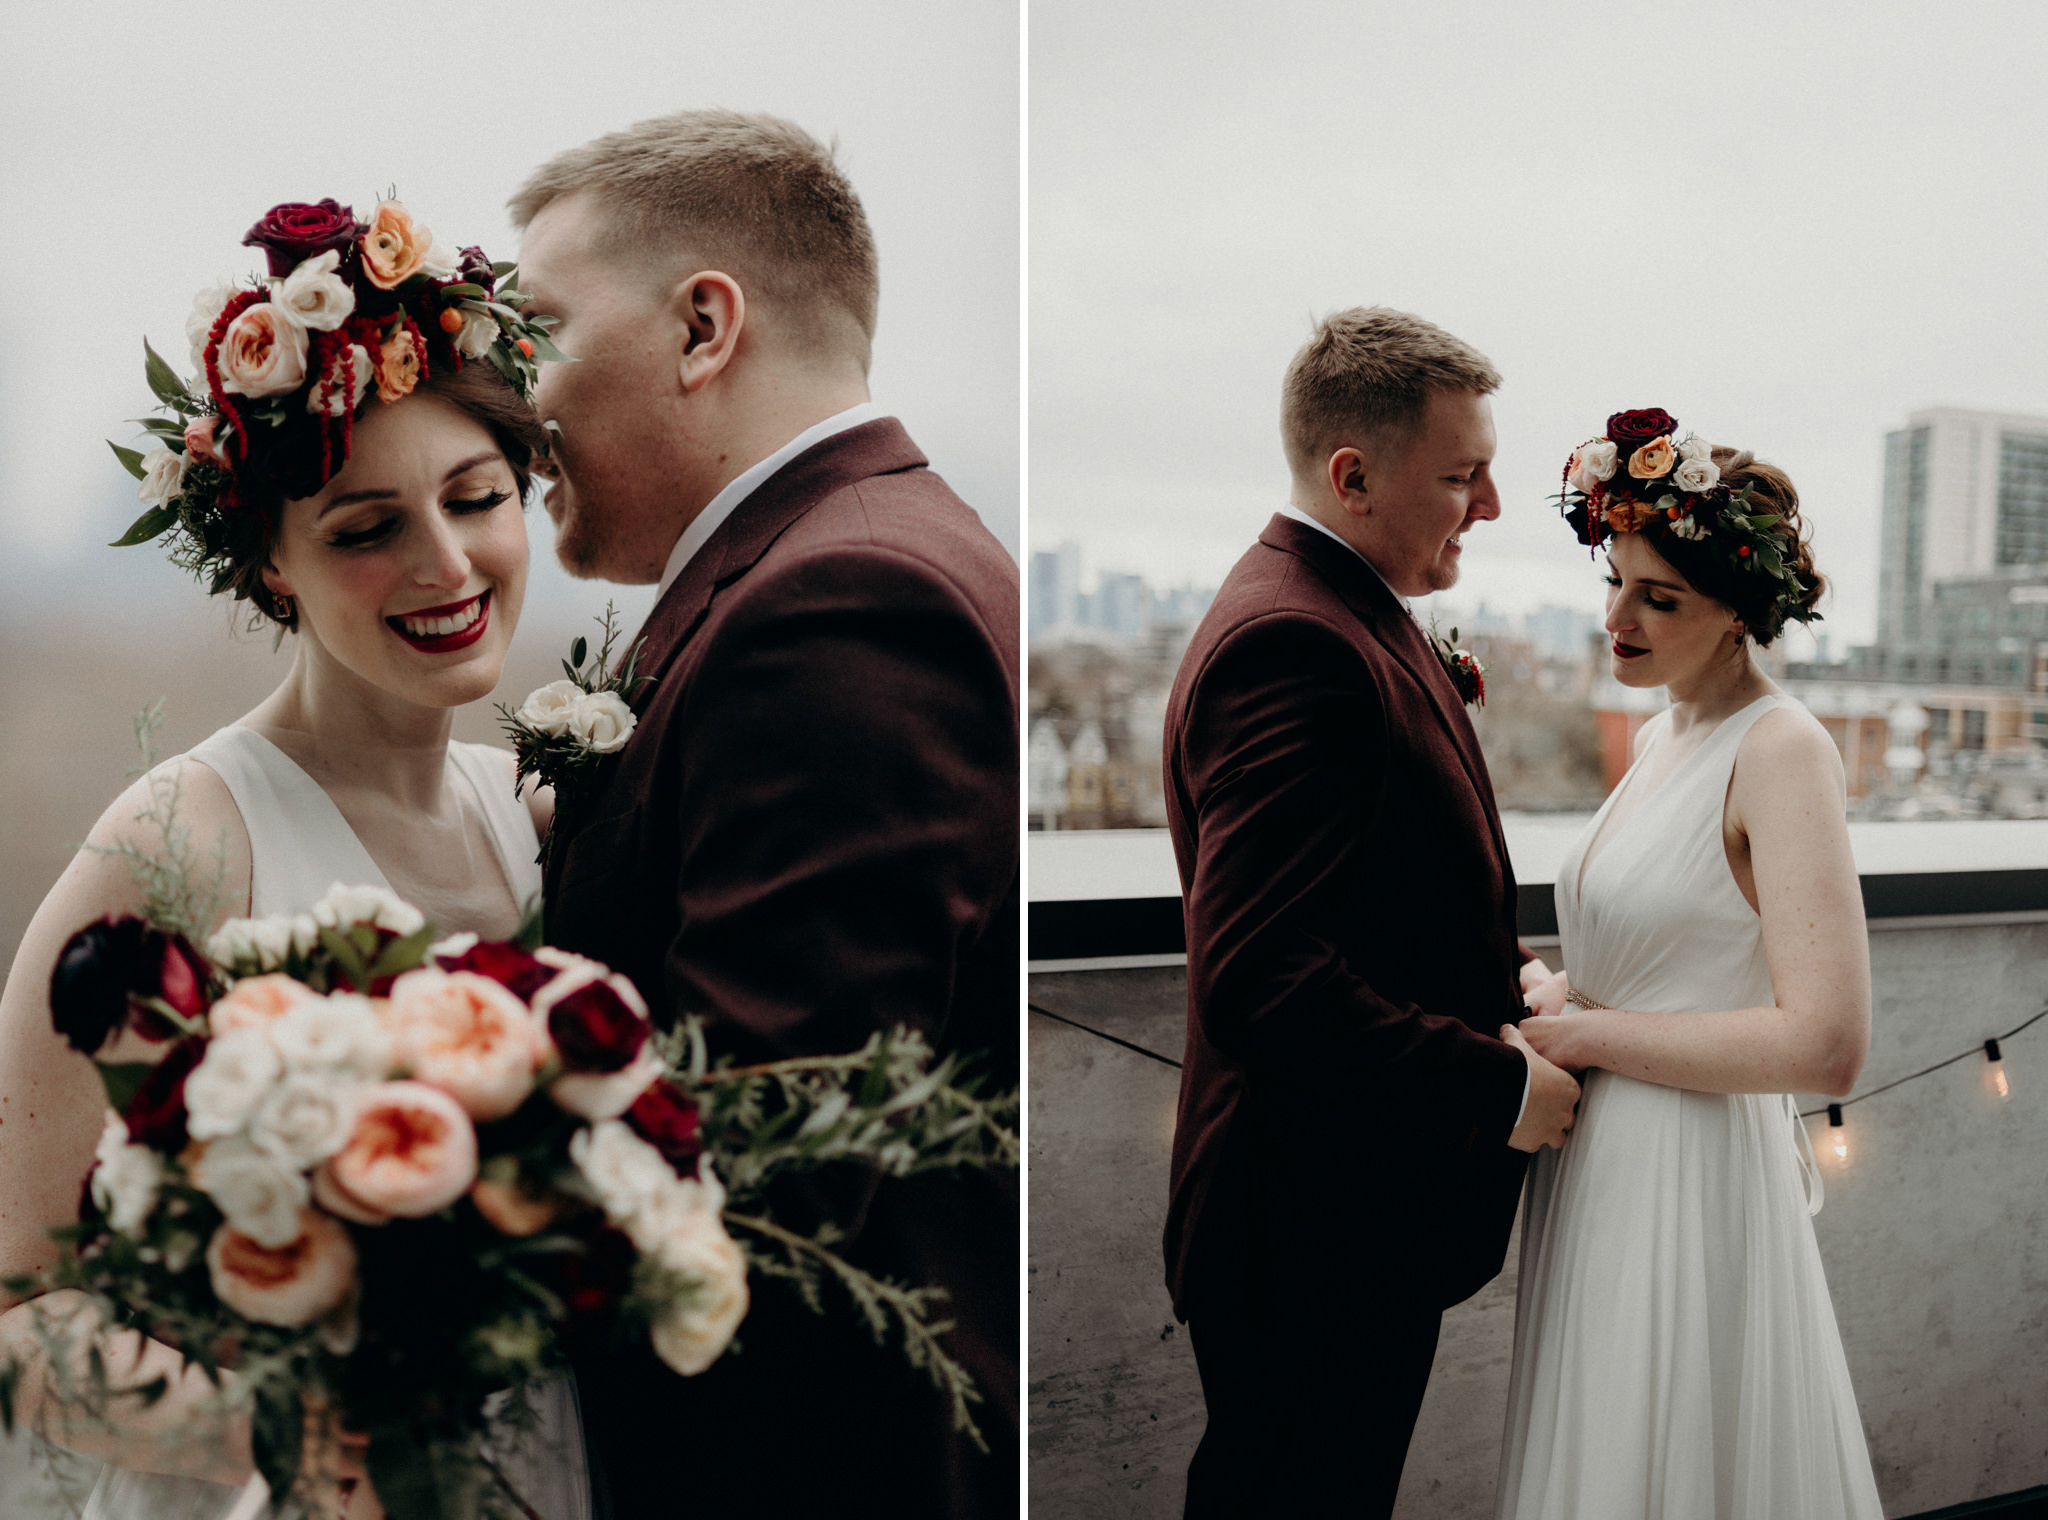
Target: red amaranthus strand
<point x="238" y="303"/>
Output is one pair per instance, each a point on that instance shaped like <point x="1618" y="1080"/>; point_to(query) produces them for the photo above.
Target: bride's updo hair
<point x="476" y="390"/>
<point x="1758" y="600"/>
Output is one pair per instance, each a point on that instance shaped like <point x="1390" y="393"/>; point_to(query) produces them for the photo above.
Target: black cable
<point x="1099" y="1034"/>
<point x="1974" y="1050"/>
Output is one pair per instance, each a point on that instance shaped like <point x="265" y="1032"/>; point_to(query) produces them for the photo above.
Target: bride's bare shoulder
<point x="189" y="796"/>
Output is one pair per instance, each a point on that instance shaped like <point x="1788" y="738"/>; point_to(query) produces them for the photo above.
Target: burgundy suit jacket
<point x="1344" y="1105"/>
<point x="811" y="835"/>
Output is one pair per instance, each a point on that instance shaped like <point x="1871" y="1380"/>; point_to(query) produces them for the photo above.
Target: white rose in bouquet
<point x="344" y="905"/>
<point x="334" y="1036"/>
<point x="236" y="1073"/>
<point x="315" y="294"/>
<point x="261" y="1195"/>
<point x="305" y="1119"/>
<point x="126" y="1178"/>
<point x="693" y="1332"/>
<point x="628" y="1175"/>
<point x="547" y="710"/>
<point x="602" y="720"/>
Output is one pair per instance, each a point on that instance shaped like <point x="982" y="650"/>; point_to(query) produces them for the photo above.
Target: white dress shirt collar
<point x="744" y="484"/>
<point x="1291" y="510"/>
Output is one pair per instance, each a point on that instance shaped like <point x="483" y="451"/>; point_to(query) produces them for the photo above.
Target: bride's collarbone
<point x="445" y="865"/>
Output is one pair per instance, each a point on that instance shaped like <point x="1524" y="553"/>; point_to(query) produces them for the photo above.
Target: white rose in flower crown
<point x="305" y="1118"/>
<point x="1593" y="464"/>
<point x="343" y="906"/>
<point x="236" y="1073"/>
<point x="479" y="332"/>
<point x="263" y="352"/>
<point x="261" y="1195"/>
<point x="315" y="294"/>
<point x="332" y="400"/>
<point x="162" y="471"/>
<point x="126" y="1178"/>
<point x="442" y="262"/>
<point x="602" y="720"/>
<point x="207" y="305"/>
<point x="1695" y="447"/>
<point x="1696" y="475"/>
<point x="547" y="710"/>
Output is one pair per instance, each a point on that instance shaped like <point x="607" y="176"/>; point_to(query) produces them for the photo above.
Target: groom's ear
<point x="710" y="311"/>
<point x="1345" y="471"/>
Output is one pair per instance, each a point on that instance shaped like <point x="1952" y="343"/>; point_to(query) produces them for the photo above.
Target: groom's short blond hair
<point x="1365" y="375"/>
<point x="754" y="196"/>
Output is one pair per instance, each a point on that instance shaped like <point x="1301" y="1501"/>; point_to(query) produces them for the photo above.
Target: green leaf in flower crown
<point x="146" y="527"/>
<point x="163" y="380"/>
<point x="504" y="267"/>
<point x="543" y="349"/>
<point x="579" y="651"/>
<point x="131" y="459"/>
<point x="502" y="363"/>
<point x="459" y="292"/>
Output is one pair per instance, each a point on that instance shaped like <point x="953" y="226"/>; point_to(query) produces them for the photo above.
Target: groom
<point x="1352" y="1135"/>
<point x="812" y="833"/>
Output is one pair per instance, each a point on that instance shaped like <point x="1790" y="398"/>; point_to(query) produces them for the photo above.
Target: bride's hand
<point x="1534" y="974"/>
<point x="1545" y="996"/>
<point x="1558" y="1040"/>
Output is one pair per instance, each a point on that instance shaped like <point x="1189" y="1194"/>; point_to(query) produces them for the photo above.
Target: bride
<point x="1676" y="1354"/>
<point x="380" y="523"/>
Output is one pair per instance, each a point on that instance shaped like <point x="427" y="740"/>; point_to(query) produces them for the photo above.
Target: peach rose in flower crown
<point x="291" y="1284"/>
<point x="1654" y="459"/>
<point x="263" y="352"/>
<point x="199" y="444"/>
<point x="412" y="1153"/>
<point x="468" y="1036"/>
<point x="398" y="366"/>
<point x="396" y="247"/>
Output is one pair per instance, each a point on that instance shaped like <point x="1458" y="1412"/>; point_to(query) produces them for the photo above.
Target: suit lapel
<point x="1396" y="631"/>
<point x="874" y="448"/>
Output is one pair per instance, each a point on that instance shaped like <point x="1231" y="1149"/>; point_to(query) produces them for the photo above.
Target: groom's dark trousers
<point x="812" y="835"/>
<point x="1341" y="1172"/>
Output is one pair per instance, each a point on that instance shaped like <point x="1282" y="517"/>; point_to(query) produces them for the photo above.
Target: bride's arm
<point x="1785" y="803"/>
<point x="51" y="1106"/>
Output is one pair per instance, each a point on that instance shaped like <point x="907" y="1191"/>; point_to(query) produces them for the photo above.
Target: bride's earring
<point x="281" y="608"/>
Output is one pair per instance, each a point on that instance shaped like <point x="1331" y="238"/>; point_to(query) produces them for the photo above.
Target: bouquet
<point x="379" y="1177"/>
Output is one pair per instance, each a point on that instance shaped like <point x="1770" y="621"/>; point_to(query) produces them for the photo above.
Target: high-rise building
<point x="1965" y="497"/>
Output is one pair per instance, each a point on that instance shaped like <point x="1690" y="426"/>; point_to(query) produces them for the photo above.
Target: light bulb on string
<point x="1999" y="1084"/>
<point x="1837" y="1136"/>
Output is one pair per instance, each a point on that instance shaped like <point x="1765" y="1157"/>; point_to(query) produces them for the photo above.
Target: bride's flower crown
<point x="1641" y="475"/>
<point x="284" y="364"/>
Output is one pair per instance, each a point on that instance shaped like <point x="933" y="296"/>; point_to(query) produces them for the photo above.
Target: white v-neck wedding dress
<point x="299" y="846"/>
<point x="1676" y="1353"/>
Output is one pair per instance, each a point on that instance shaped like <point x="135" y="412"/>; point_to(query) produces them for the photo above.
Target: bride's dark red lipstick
<point x="1627" y="651"/>
<point x="444" y="643"/>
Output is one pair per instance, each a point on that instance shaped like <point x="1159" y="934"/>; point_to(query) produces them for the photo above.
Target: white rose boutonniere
<point x="565" y="733"/>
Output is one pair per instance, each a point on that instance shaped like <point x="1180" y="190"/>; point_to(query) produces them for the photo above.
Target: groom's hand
<point x="1553" y="1099"/>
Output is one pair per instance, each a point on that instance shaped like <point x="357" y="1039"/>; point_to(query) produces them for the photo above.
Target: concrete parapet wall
<point x="1935" y="1240"/>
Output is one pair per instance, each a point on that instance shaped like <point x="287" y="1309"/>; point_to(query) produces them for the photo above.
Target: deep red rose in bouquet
<point x="595" y="1029"/>
<point x="113" y="973"/>
<point x="519" y="971"/>
<point x="1629" y="431"/>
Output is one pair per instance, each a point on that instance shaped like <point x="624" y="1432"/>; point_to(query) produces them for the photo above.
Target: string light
<point x="1839" y="1135"/>
<point x="1998" y="1082"/>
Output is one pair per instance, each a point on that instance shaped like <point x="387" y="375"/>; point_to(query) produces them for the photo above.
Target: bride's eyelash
<point x="362" y="538"/>
<point x="1660" y="606"/>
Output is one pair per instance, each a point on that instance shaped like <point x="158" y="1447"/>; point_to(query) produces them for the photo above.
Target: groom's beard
<point x="1443" y="570"/>
<point x="586" y="544"/>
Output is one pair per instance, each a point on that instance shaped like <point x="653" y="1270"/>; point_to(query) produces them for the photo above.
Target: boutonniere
<point x="1461" y="665"/>
<point x="566" y="734"/>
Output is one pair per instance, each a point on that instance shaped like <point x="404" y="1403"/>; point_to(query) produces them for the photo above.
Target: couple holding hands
<point x="1376" y="1071"/>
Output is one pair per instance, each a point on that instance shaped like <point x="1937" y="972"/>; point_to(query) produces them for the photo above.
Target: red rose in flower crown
<point x="1629" y="431"/>
<point x="294" y="232"/>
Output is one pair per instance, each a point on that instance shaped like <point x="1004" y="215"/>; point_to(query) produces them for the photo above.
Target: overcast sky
<point x="1788" y="224"/>
<point x="142" y="140"/>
